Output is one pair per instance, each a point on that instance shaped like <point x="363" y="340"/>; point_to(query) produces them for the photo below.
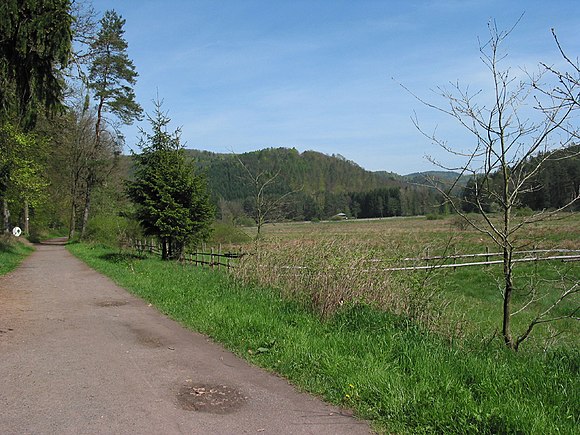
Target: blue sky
<point x="325" y="75"/>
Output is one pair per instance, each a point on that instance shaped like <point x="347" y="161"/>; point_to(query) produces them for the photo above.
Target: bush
<point x="227" y="234"/>
<point x="245" y="221"/>
<point x="112" y="230"/>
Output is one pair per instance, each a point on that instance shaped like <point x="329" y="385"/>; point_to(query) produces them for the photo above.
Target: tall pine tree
<point x="112" y="76"/>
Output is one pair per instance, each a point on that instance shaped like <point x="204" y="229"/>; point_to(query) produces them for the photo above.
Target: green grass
<point x="471" y="296"/>
<point x="11" y="254"/>
<point x="389" y="370"/>
<point x="476" y="294"/>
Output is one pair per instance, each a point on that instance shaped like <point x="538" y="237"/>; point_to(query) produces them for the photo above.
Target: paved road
<point x="79" y="355"/>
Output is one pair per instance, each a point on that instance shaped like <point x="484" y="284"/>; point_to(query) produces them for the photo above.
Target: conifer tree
<point x="171" y="198"/>
<point x="35" y="42"/>
<point x="112" y="76"/>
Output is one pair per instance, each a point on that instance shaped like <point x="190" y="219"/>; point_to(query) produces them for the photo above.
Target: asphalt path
<point x="80" y="355"/>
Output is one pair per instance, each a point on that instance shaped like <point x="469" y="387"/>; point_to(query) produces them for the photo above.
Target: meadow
<point x="329" y="263"/>
<point x="413" y="352"/>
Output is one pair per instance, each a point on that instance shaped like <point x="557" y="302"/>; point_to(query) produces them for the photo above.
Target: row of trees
<point x="555" y="185"/>
<point x="35" y="46"/>
<point x="66" y="85"/>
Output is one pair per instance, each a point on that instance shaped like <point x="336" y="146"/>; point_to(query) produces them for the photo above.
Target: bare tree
<point x="265" y="204"/>
<point x="512" y="139"/>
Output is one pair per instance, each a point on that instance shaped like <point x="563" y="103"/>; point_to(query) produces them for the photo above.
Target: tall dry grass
<point x="326" y="274"/>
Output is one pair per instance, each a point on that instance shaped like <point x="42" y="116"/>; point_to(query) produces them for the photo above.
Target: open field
<point x="412" y="235"/>
<point x="331" y="262"/>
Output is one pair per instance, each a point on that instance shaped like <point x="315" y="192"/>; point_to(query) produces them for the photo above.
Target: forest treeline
<point x="317" y="186"/>
<point x="556" y="183"/>
<point x="322" y="186"/>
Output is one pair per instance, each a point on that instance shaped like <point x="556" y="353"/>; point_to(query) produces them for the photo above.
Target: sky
<point x="326" y="75"/>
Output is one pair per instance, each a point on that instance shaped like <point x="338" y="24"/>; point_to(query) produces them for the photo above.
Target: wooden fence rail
<point x="212" y="258"/>
<point x="564" y="258"/>
<point x="495" y="254"/>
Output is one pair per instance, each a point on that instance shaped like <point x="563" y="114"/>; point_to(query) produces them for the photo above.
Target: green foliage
<point x="323" y="186"/>
<point x="557" y="182"/>
<point x="20" y="168"/>
<point x="35" y="39"/>
<point x="22" y="178"/>
<point x="112" y="74"/>
<point x="171" y="198"/>
<point x="384" y="367"/>
<point x="228" y="234"/>
<point x="111" y="230"/>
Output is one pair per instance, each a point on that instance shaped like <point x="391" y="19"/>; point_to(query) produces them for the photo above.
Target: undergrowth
<point x="12" y="253"/>
<point x="386" y="367"/>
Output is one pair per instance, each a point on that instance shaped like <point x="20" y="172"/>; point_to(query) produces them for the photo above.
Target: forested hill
<point x="311" y="172"/>
<point x="323" y="185"/>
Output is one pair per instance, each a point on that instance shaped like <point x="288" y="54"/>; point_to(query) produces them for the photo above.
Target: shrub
<point x="112" y="230"/>
<point x="228" y="234"/>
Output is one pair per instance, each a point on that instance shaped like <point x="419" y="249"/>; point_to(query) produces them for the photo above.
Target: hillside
<point x="311" y="172"/>
<point x="444" y="177"/>
<point x="322" y="185"/>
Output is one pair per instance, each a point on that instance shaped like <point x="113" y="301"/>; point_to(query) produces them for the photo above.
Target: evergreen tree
<point x="171" y="198"/>
<point x="35" y="41"/>
<point x="112" y="76"/>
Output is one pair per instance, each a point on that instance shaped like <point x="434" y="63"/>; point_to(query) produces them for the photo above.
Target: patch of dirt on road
<point x="215" y="399"/>
<point x="147" y="339"/>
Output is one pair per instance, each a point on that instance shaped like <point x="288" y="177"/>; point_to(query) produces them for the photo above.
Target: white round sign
<point x="16" y="231"/>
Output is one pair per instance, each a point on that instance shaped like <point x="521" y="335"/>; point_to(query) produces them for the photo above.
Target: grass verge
<point x="11" y="254"/>
<point x="384" y="367"/>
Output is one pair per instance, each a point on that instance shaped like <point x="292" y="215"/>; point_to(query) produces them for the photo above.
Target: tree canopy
<point x="35" y="42"/>
<point x="171" y="198"/>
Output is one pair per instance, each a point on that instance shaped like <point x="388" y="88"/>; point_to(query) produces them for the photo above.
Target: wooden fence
<point x="212" y="257"/>
<point x="215" y="258"/>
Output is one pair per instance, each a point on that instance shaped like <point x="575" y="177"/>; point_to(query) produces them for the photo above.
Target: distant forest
<point x="322" y="186"/>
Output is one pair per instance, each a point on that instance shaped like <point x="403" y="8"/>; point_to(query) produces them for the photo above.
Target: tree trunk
<point x="86" y="212"/>
<point x="72" y="220"/>
<point x="164" y="249"/>
<point x="26" y="228"/>
<point x="5" y="216"/>
<point x="507" y="296"/>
